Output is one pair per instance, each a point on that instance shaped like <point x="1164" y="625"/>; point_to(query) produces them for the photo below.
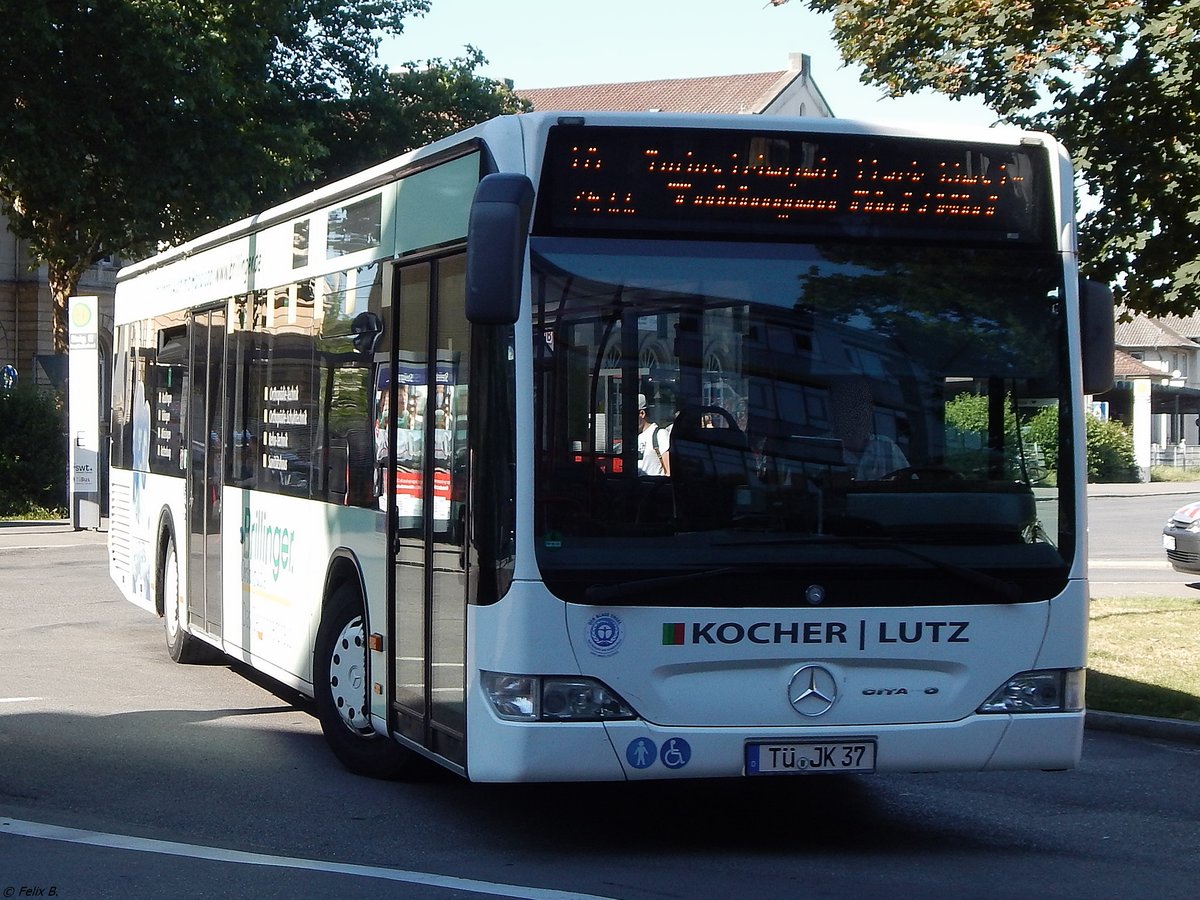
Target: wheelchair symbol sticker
<point x="676" y="753"/>
<point x="641" y="753"/>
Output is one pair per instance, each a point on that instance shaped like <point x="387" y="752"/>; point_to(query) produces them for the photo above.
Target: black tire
<point x="340" y="688"/>
<point x="183" y="647"/>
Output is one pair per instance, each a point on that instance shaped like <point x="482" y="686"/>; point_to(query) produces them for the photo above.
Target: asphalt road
<point x="1125" y="552"/>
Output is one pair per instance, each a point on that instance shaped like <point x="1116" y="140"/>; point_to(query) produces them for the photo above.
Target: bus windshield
<point x="765" y="424"/>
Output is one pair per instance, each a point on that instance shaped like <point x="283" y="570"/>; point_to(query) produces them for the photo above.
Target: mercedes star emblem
<point x="812" y="691"/>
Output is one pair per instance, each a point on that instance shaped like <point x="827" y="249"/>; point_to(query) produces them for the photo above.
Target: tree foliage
<point x="126" y="125"/>
<point x="33" y="461"/>
<point x="1115" y="80"/>
<point x="1110" y="456"/>
<point x="396" y="111"/>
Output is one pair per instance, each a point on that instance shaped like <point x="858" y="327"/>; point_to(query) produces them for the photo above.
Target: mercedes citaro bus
<point x="381" y="443"/>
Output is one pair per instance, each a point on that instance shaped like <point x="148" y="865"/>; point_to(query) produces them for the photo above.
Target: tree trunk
<point x="63" y="280"/>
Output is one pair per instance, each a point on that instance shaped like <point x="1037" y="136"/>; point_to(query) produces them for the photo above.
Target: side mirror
<point x="496" y="236"/>
<point x="1096" y="335"/>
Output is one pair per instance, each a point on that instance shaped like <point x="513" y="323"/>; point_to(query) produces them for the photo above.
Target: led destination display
<point x="786" y="185"/>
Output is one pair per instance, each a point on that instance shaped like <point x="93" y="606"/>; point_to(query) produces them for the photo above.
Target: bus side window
<point x="350" y="331"/>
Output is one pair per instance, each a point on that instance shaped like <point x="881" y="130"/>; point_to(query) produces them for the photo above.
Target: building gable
<point x="787" y="92"/>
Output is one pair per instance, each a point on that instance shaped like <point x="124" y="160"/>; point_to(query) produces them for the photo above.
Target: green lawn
<point x="1144" y="656"/>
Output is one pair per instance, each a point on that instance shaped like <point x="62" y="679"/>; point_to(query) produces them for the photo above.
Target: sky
<point x="557" y="43"/>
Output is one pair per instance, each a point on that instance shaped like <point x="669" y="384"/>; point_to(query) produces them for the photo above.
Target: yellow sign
<point x="82" y="314"/>
<point x="82" y="321"/>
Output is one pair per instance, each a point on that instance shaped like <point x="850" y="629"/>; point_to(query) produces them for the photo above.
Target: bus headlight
<point x="1045" y="690"/>
<point x="548" y="698"/>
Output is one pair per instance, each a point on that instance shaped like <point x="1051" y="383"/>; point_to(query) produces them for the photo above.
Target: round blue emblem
<point x="605" y="634"/>
<point x="641" y="753"/>
<point x="676" y="753"/>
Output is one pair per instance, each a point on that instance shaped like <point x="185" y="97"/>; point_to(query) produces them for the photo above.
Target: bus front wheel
<point x="340" y="687"/>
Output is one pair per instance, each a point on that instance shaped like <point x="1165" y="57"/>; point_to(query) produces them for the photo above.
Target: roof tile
<point x="714" y="94"/>
<point x="1145" y="332"/>
<point x="1125" y="366"/>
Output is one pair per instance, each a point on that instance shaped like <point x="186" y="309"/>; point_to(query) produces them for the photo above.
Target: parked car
<point x="1181" y="539"/>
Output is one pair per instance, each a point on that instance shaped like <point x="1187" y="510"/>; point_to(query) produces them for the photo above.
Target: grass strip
<point x="1144" y="656"/>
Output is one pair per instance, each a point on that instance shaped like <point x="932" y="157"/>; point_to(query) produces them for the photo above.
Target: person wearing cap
<point x="654" y="444"/>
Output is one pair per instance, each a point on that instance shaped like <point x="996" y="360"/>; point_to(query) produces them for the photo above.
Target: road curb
<point x="1144" y="726"/>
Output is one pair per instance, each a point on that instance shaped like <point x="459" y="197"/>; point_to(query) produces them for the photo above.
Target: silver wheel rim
<point x="348" y="677"/>
<point x="171" y="597"/>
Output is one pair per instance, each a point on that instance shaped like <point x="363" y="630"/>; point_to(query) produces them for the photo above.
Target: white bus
<point x="381" y="443"/>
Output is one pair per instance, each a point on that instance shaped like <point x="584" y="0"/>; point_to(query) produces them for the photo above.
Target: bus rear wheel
<point x="340" y="688"/>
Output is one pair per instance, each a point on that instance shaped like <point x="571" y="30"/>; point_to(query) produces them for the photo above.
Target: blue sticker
<point x="641" y="753"/>
<point x="676" y="753"/>
<point x="605" y="634"/>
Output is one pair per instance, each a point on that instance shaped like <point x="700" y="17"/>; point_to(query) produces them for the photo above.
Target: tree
<point x="1115" y="80"/>
<point x="33" y="459"/>
<point x="397" y="111"/>
<point x="1110" y="455"/>
<point x="129" y="124"/>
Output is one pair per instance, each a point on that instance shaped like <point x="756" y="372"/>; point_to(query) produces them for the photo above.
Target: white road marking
<point x="42" y="547"/>
<point x="18" y="699"/>
<point x="1130" y="564"/>
<point x="217" y="854"/>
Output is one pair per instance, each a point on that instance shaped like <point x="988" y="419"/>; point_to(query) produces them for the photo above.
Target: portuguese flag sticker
<point x="672" y="633"/>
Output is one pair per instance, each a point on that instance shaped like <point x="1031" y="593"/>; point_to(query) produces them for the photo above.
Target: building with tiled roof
<point x="1174" y="358"/>
<point x="1126" y="366"/>
<point x="1142" y="332"/>
<point x="1187" y="326"/>
<point x="1157" y="390"/>
<point x="787" y="92"/>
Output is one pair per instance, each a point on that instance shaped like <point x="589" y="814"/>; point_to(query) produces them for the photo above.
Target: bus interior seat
<point x="710" y="461"/>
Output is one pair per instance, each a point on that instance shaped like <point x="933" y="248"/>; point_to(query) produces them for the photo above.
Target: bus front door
<point x="206" y="467"/>
<point x="428" y="589"/>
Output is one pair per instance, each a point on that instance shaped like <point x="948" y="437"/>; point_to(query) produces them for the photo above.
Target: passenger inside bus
<point x="654" y="443"/>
